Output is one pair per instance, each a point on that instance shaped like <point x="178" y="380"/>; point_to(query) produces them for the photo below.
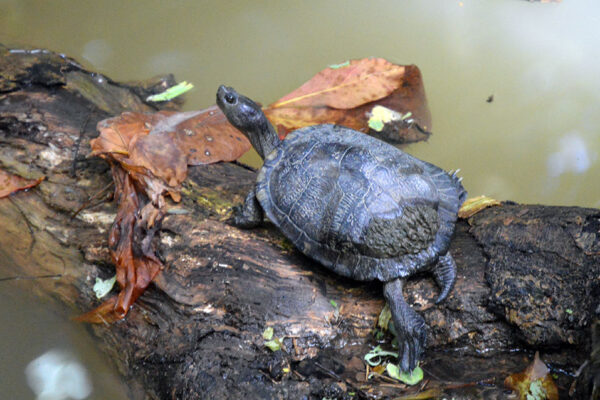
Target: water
<point x="29" y="329"/>
<point x="536" y="142"/>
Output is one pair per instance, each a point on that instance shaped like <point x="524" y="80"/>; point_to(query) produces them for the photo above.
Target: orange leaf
<point x="360" y="82"/>
<point x="534" y="382"/>
<point x="10" y="183"/>
<point x="407" y="95"/>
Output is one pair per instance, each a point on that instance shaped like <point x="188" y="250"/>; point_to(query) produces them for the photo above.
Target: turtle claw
<point x="445" y="275"/>
<point x="410" y="349"/>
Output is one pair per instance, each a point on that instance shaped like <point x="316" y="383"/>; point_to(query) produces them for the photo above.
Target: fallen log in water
<point x="528" y="275"/>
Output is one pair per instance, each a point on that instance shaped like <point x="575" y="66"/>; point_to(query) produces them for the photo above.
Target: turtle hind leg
<point x="445" y="275"/>
<point x="249" y="215"/>
<point x="410" y="326"/>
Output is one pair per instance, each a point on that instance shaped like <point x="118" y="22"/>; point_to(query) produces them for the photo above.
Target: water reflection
<point x="573" y="156"/>
<point x="97" y="52"/>
<point x="58" y="375"/>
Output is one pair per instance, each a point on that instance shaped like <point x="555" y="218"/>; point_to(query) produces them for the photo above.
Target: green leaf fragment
<point x="376" y="124"/>
<point x="268" y="333"/>
<point x="274" y="344"/>
<point x="374" y="357"/>
<point x="536" y="391"/>
<point x="569" y="311"/>
<point x="410" y="378"/>
<point x="338" y="66"/>
<point x="384" y="317"/>
<point x="333" y="303"/>
<point x="171" y="92"/>
<point x="380" y="115"/>
<point x="103" y="287"/>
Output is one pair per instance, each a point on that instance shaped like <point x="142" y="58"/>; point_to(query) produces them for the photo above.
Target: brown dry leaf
<point x="534" y="382"/>
<point x="475" y="204"/>
<point x="130" y="244"/>
<point x="156" y="148"/>
<point x="10" y="183"/>
<point x="149" y="155"/>
<point x="206" y="136"/>
<point x="401" y="90"/>
<point x="346" y="86"/>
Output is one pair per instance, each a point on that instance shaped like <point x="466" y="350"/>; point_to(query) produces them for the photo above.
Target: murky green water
<point x="537" y="142"/>
<point x="29" y="329"/>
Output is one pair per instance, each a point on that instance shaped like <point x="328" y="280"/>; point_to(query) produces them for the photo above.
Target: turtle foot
<point x="248" y="215"/>
<point x="410" y="327"/>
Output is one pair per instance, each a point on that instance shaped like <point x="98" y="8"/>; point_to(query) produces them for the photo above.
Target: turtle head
<point x="248" y="118"/>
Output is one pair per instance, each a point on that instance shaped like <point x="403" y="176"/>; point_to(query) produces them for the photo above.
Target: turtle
<point x="357" y="205"/>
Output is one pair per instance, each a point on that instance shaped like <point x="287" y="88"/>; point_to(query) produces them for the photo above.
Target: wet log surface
<point x="528" y="275"/>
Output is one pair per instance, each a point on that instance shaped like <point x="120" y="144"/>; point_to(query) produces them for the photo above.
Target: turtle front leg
<point x="410" y="327"/>
<point x="445" y="275"/>
<point x="248" y="215"/>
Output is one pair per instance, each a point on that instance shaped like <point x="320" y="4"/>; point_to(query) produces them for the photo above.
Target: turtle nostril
<point x="230" y="98"/>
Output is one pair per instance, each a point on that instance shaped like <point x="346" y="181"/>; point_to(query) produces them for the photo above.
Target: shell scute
<point x="357" y="205"/>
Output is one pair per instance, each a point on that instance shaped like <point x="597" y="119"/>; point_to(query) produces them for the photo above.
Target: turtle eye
<point x="230" y="98"/>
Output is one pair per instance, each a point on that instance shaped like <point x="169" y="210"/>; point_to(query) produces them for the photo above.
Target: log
<point x="528" y="275"/>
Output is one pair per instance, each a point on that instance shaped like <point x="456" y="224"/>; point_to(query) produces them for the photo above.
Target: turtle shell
<point x="359" y="206"/>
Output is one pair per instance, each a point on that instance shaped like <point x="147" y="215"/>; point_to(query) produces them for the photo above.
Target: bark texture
<point x="528" y="275"/>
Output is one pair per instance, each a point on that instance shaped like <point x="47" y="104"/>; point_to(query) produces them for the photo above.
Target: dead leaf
<point x="475" y="204"/>
<point x="401" y="90"/>
<point x="534" y="383"/>
<point x="10" y="183"/>
<point x="149" y="155"/>
<point x="130" y="244"/>
<point x="206" y="137"/>
<point x="357" y="83"/>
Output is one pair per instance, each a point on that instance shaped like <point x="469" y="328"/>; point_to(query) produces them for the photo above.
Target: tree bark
<point x="528" y="275"/>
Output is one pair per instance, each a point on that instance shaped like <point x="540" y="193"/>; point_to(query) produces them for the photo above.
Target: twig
<point x="87" y="203"/>
<point x="78" y="143"/>
<point x="27" y="222"/>
<point x="19" y="277"/>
